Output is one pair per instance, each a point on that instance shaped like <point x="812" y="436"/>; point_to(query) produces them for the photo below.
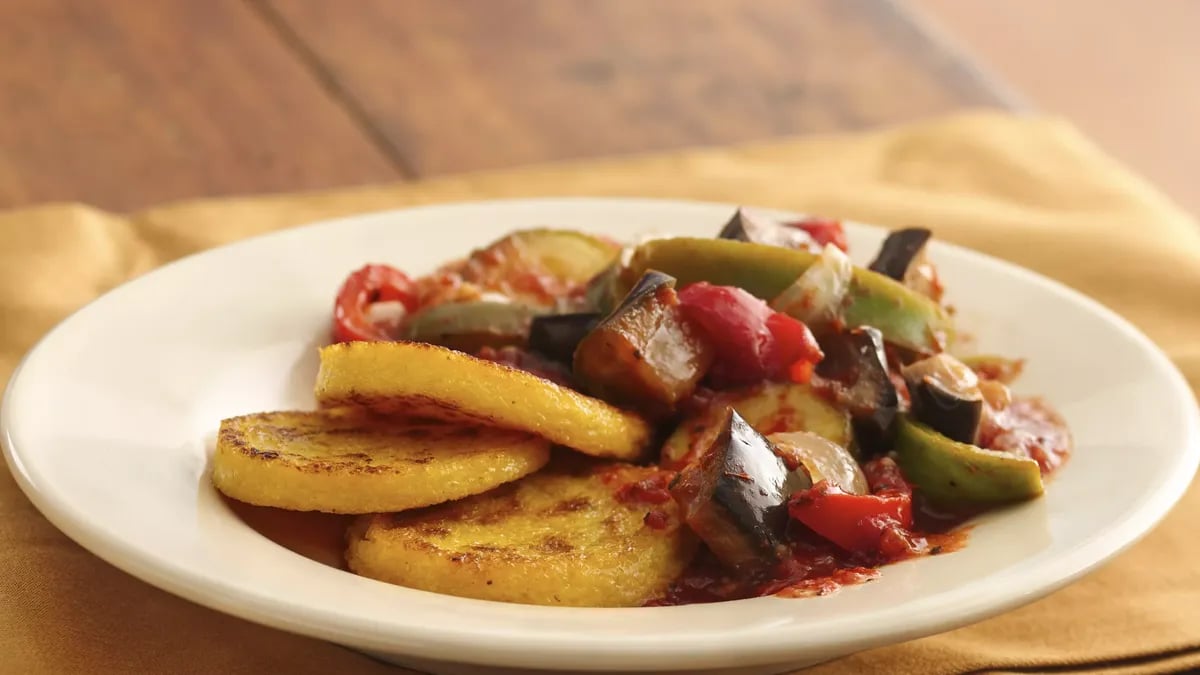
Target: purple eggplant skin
<point x="755" y="484"/>
<point x="648" y="285"/>
<point x="945" y="396"/>
<point x="946" y="412"/>
<point x="556" y="336"/>
<point x="899" y="251"/>
<point x="756" y="229"/>
<point x="735" y="497"/>
<point x="856" y="362"/>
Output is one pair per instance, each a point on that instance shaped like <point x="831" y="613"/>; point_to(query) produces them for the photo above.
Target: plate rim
<point x="1059" y="571"/>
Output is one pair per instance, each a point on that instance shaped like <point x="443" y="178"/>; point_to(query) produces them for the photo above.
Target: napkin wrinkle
<point x="1185" y="659"/>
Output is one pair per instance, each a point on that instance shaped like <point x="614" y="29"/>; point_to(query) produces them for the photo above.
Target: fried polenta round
<point x="348" y="461"/>
<point x="558" y="537"/>
<point x="424" y="381"/>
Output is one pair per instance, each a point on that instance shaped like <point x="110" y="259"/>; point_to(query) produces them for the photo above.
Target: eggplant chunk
<point x="903" y="258"/>
<point x="645" y="353"/>
<point x="735" y="497"/>
<point x="899" y="251"/>
<point x="556" y="336"/>
<point x="856" y="365"/>
<point x="752" y="227"/>
<point x="945" y="396"/>
<point x="952" y="474"/>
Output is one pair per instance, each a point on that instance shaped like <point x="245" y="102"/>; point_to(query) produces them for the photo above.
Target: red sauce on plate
<point x="810" y="567"/>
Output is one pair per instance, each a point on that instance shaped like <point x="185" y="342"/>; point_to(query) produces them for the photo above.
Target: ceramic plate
<point x="109" y="422"/>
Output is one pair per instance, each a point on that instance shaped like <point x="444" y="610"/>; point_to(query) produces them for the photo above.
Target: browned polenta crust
<point x="423" y="381"/>
<point x="350" y="461"/>
<point x="558" y="537"/>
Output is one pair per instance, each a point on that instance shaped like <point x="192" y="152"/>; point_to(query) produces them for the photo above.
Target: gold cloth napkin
<point x="1032" y="191"/>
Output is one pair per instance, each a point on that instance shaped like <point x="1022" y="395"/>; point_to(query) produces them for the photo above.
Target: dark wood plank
<point x="125" y="103"/>
<point x="461" y="84"/>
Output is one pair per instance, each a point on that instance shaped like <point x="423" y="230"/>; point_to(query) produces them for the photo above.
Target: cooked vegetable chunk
<point x="945" y="396"/>
<point x="348" y="461"/>
<point x="860" y="523"/>
<point x="900" y="251"/>
<point x="903" y="258"/>
<point x="821" y="459"/>
<point x="857" y="366"/>
<point x="746" y="225"/>
<point x="537" y="266"/>
<point x="468" y="326"/>
<point x="424" y="381"/>
<point x="751" y="342"/>
<point x="601" y="294"/>
<point x="362" y="294"/>
<point x="996" y="368"/>
<point x="817" y="296"/>
<point x="906" y="318"/>
<point x="559" y="537"/>
<point x="769" y="408"/>
<point x="952" y="473"/>
<point x="556" y="336"/>
<point x="646" y="353"/>
<point x="734" y="497"/>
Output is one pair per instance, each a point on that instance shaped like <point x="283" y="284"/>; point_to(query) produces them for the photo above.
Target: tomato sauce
<point x="651" y="490"/>
<point x="1029" y="428"/>
<point x="809" y="567"/>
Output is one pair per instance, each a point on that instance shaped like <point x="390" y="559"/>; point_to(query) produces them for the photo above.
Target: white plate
<point x="109" y="422"/>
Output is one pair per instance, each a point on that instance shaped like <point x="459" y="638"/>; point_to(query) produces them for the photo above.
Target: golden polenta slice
<point x="424" y="381"/>
<point x="558" y="537"/>
<point x="349" y="461"/>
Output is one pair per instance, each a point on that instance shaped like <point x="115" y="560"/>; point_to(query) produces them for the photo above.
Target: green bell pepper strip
<point x="952" y="473"/>
<point x="471" y="325"/>
<point x="905" y="317"/>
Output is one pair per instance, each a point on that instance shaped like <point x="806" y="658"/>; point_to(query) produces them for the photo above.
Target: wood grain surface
<point x="126" y="103"/>
<point x="457" y="85"/>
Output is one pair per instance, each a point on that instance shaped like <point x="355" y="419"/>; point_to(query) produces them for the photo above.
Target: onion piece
<point x="823" y="459"/>
<point x="388" y="314"/>
<point x="816" y="296"/>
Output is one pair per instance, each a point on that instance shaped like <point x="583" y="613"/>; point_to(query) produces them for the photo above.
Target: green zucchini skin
<point x="769" y="408"/>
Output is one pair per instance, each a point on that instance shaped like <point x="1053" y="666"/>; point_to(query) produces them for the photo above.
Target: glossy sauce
<point x="811" y="567"/>
<point x="1029" y="427"/>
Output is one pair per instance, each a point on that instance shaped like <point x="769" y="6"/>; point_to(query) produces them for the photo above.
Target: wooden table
<point x="125" y="103"/>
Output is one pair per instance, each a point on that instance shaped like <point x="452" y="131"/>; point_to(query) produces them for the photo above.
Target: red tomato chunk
<point x="753" y="342"/>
